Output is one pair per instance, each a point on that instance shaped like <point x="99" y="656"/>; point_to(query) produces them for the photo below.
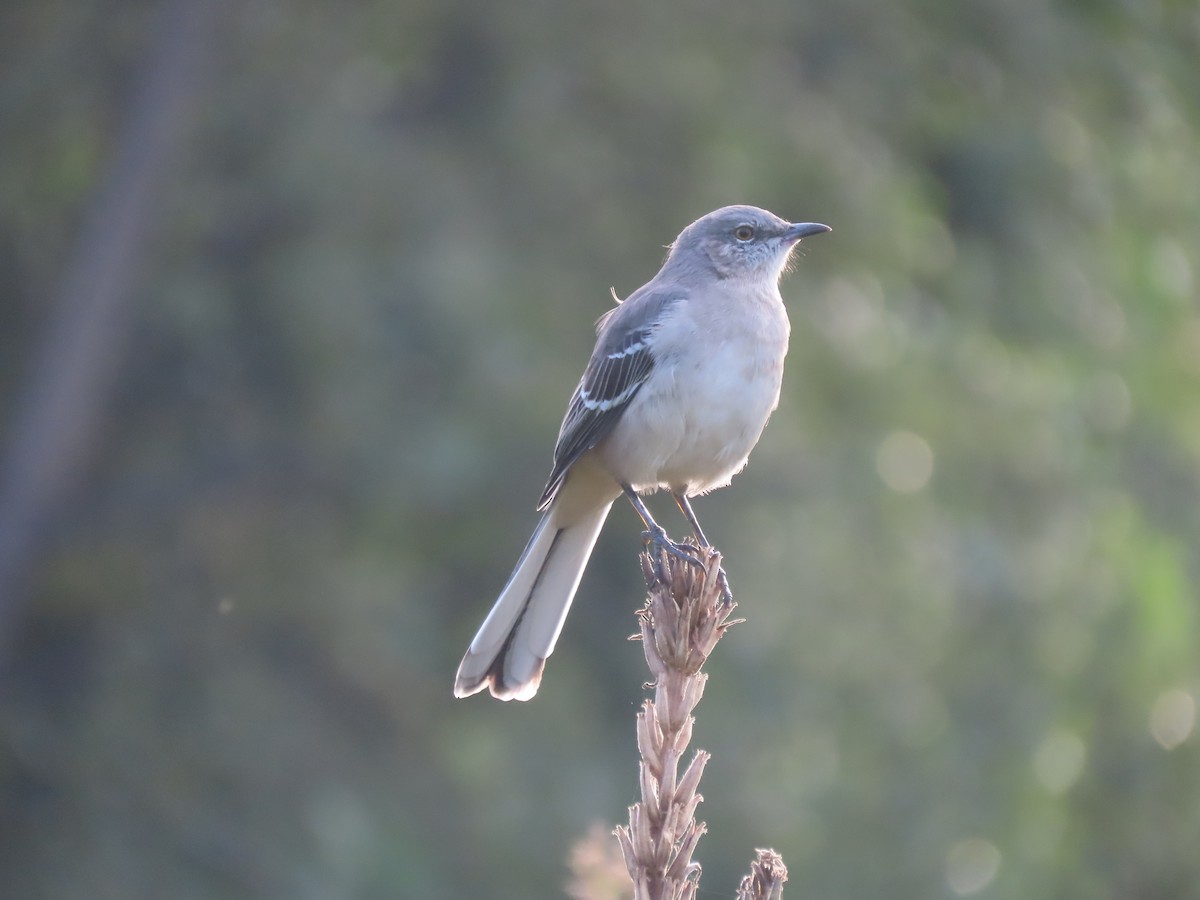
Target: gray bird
<point x="683" y="378"/>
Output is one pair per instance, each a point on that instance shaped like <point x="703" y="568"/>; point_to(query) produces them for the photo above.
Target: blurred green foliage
<point x="968" y="547"/>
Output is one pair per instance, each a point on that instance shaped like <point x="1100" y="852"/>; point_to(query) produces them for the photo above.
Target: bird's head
<point x="742" y="242"/>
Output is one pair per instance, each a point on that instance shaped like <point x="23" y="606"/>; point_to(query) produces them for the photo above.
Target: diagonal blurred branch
<point x="58" y="411"/>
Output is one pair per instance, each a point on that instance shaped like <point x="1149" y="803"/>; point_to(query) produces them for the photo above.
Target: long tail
<point x="510" y="650"/>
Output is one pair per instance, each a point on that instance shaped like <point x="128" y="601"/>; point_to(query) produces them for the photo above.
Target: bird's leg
<point x="655" y="533"/>
<point x="685" y="507"/>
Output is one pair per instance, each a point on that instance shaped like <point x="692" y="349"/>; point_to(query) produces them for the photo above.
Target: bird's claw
<point x="723" y="584"/>
<point x="658" y="537"/>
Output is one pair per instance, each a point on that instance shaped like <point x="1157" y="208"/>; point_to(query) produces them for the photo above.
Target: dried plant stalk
<point x="766" y="878"/>
<point x="686" y="613"/>
<point x="684" y="617"/>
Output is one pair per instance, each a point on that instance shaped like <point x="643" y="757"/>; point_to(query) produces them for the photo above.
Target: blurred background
<point x="292" y="297"/>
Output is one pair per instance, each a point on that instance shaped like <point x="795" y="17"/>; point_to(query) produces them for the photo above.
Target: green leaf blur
<point x="967" y="547"/>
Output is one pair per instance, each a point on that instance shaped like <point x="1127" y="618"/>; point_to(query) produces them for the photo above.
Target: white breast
<point x="693" y="424"/>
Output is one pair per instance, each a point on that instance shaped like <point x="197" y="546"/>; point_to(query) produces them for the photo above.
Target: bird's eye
<point x="743" y="232"/>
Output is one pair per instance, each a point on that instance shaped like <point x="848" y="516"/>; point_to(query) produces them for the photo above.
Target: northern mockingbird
<point x="684" y="375"/>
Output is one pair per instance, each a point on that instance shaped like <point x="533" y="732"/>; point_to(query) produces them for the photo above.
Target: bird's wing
<point x="620" y="365"/>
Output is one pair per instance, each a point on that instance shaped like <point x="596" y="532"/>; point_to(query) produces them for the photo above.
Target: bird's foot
<point x="657" y="536"/>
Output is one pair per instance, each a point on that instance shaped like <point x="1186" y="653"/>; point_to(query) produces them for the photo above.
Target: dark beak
<point x="803" y="230"/>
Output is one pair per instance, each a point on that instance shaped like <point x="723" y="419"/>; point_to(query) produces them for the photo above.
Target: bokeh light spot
<point x="904" y="461"/>
<point x="1059" y="760"/>
<point x="971" y="865"/>
<point x="1172" y="718"/>
<point x="855" y="321"/>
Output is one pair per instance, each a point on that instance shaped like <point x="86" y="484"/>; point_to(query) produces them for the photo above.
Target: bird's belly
<point x="697" y="430"/>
